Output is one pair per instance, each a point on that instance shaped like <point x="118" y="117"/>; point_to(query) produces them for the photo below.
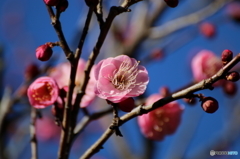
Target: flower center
<point x="125" y="77"/>
<point x="42" y="92"/>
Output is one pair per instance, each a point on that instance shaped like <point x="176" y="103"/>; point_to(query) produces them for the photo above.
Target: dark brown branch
<point x="70" y="115"/>
<point x="58" y="28"/>
<point x="205" y="84"/>
<point x="99" y="13"/>
<point x="33" y="133"/>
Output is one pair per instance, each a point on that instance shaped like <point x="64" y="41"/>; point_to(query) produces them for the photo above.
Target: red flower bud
<point x="127" y="105"/>
<point x="63" y="6"/>
<point x="230" y="88"/>
<point x="209" y="104"/>
<point x="172" y="3"/>
<point x="51" y="2"/>
<point x="227" y="56"/>
<point x="91" y="2"/>
<point x="233" y="76"/>
<point x="190" y="101"/>
<point x="164" y="92"/>
<point x="157" y="54"/>
<point x="31" y="71"/>
<point x="207" y="29"/>
<point x="44" y="52"/>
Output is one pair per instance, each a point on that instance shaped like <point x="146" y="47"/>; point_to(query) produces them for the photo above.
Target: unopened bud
<point x="44" y="52"/>
<point x="230" y="88"/>
<point x="233" y="76"/>
<point x="157" y="54"/>
<point x="207" y="29"/>
<point x="164" y="91"/>
<point x="209" y="104"/>
<point x="31" y="71"/>
<point x="190" y="101"/>
<point x="227" y="56"/>
<point x="91" y="2"/>
<point x="172" y="3"/>
<point x="51" y="2"/>
<point x="127" y="105"/>
<point x="63" y="6"/>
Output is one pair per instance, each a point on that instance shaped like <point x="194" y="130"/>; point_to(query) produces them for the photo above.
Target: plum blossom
<point x="119" y="78"/>
<point x="205" y="64"/>
<point x="162" y="121"/>
<point x="44" y="52"/>
<point x="43" y="92"/>
<point x="61" y="74"/>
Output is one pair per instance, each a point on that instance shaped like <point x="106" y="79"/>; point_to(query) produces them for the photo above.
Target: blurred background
<point x="164" y="39"/>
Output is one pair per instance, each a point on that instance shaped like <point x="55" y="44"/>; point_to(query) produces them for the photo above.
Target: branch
<point x="33" y="133"/>
<point x="70" y="115"/>
<point x="87" y="119"/>
<point x="179" y="23"/>
<point x="58" y="28"/>
<point x="205" y="84"/>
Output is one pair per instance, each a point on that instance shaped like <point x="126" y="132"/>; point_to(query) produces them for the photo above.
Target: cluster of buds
<point x="229" y="87"/>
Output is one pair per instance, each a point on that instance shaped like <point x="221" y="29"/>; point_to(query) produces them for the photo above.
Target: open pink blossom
<point x="43" y="92"/>
<point x="61" y="74"/>
<point x="162" y="121"/>
<point x="120" y="78"/>
<point x="205" y="64"/>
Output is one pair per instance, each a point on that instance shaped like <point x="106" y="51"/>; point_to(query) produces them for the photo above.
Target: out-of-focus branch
<point x="88" y="118"/>
<point x="33" y="133"/>
<point x="205" y="84"/>
<point x="179" y="23"/>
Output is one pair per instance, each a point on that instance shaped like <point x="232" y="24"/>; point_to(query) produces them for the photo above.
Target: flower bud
<point x="127" y="105"/>
<point x="172" y="3"/>
<point x="91" y="2"/>
<point x="31" y="71"/>
<point x="230" y="88"/>
<point x="190" y="101"/>
<point x="44" y="52"/>
<point x="209" y="104"/>
<point x="157" y="54"/>
<point x="63" y="6"/>
<point x="227" y="56"/>
<point x="232" y="76"/>
<point x="233" y="10"/>
<point x="164" y="91"/>
<point x="51" y="2"/>
<point x="207" y="29"/>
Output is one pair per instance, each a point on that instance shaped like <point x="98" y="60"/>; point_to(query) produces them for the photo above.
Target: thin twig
<point x="34" y="145"/>
<point x="205" y="84"/>
<point x="58" y="28"/>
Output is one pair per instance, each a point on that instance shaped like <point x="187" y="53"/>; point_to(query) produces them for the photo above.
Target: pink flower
<point x="43" y="92"/>
<point x="44" y="52"/>
<point x="46" y="129"/>
<point x="61" y="74"/>
<point x="205" y="64"/>
<point x="120" y="78"/>
<point x="162" y="121"/>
